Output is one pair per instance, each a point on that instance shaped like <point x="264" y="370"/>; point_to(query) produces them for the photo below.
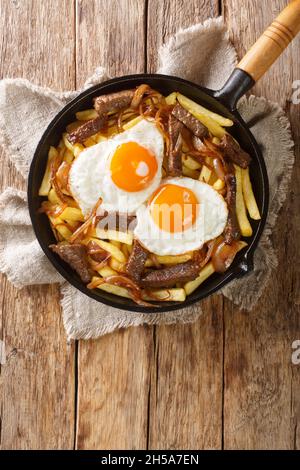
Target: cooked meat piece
<point x="197" y="143"/>
<point x="96" y="253"/>
<point x="232" y="231"/>
<point x="190" y="121"/>
<point x="87" y="129"/>
<point x="113" y="101"/>
<point x="174" y="157"/>
<point x="75" y="255"/>
<point x="233" y="152"/>
<point x="168" y="277"/>
<point x="136" y="261"/>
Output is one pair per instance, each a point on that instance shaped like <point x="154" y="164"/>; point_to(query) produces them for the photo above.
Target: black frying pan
<point x="253" y="65"/>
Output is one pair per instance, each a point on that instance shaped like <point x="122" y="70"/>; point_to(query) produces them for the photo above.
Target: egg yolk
<point x="174" y="208"/>
<point x="132" y="167"/>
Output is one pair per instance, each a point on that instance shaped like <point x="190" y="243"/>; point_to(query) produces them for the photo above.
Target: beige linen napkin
<point x="202" y="54"/>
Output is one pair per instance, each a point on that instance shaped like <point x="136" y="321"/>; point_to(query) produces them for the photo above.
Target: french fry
<point x="113" y="250"/>
<point x="89" y="142"/>
<point x="67" y="143"/>
<point x="190" y="173"/>
<point x="132" y="122"/>
<point x="72" y="213"/>
<point x="249" y="197"/>
<point x="64" y="231"/>
<point x="205" y="272"/>
<point x="116" y="290"/>
<point x="244" y="224"/>
<point x="100" y="138"/>
<point x="46" y="182"/>
<point x="68" y="156"/>
<point x="77" y="149"/>
<point x="123" y="237"/>
<point x="205" y="174"/>
<point x="86" y="115"/>
<point x="171" y="98"/>
<point x="190" y="163"/>
<point x="176" y="294"/>
<point x="174" y="259"/>
<point x="52" y="196"/>
<point x="116" y="243"/>
<point x="198" y="109"/>
<point x="218" y="184"/>
<point x="107" y="271"/>
<point x="116" y="265"/>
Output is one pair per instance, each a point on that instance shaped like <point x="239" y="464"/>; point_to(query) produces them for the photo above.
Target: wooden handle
<point x="273" y="42"/>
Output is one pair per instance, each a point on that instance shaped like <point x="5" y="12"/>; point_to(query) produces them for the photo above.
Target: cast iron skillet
<point x="224" y="101"/>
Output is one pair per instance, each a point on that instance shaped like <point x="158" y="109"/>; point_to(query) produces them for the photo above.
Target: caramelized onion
<point x="131" y="286"/>
<point x="223" y="255"/>
<point x="138" y="95"/>
<point x="219" y="168"/>
<point x="62" y="175"/>
<point x="87" y="224"/>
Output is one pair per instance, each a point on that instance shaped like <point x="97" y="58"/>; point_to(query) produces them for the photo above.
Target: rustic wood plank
<point x="37" y="382"/>
<point x="261" y="403"/>
<point x="113" y="379"/>
<point x="186" y="373"/>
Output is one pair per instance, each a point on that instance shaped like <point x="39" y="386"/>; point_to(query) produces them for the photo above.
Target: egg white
<point x="210" y="222"/>
<point x="90" y="176"/>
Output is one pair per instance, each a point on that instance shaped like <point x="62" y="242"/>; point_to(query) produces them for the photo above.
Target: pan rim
<point x="233" y="273"/>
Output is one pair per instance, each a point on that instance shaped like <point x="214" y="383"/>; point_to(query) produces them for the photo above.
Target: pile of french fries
<point x="119" y="244"/>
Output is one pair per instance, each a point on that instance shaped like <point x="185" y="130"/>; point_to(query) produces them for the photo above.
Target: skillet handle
<point x="272" y="42"/>
<point x="261" y="55"/>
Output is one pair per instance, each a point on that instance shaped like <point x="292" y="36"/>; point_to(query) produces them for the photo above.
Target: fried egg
<point x="180" y="216"/>
<point x="123" y="170"/>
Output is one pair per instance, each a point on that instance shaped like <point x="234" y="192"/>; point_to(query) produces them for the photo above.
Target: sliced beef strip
<point x="232" y="231"/>
<point x="169" y="276"/>
<point x="86" y="130"/>
<point x="197" y="128"/>
<point x="136" y="262"/>
<point x="233" y="152"/>
<point x="174" y="157"/>
<point x="98" y="255"/>
<point x="75" y="255"/>
<point x="113" y="101"/>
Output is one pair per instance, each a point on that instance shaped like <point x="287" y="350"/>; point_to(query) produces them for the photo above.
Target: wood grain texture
<point x="186" y="372"/>
<point x="37" y="382"/>
<point x="113" y="372"/>
<point x="261" y="396"/>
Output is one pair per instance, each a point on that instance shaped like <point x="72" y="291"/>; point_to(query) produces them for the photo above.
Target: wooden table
<point x="226" y="381"/>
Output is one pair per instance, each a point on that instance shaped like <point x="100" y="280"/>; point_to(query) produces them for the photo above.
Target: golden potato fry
<point x="120" y="291"/>
<point x="72" y="213"/>
<point x="117" y="265"/>
<point x="171" y="98"/>
<point x="89" y="142"/>
<point x="113" y="250"/>
<point x="87" y="114"/>
<point x="64" y="231"/>
<point x="68" y="156"/>
<point x="205" y="174"/>
<point x="190" y="173"/>
<point x="205" y="272"/>
<point x="52" y="196"/>
<point x="132" y="123"/>
<point x="100" y="137"/>
<point x="244" y="224"/>
<point x="46" y="182"/>
<point x="218" y="184"/>
<point x="107" y="271"/>
<point x="198" y="109"/>
<point x="77" y="149"/>
<point x="116" y="243"/>
<point x="249" y="197"/>
<point x="123" y="237"/>
<point x="174" y="259"/>
<point x="190" y="162"/>
<point x="176" y="294"/>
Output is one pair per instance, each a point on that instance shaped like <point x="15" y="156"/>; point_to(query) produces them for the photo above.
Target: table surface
<point x="226" y="381"/>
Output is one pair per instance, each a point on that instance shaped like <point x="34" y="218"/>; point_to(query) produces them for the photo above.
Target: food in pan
<point x="147" y="195"/>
